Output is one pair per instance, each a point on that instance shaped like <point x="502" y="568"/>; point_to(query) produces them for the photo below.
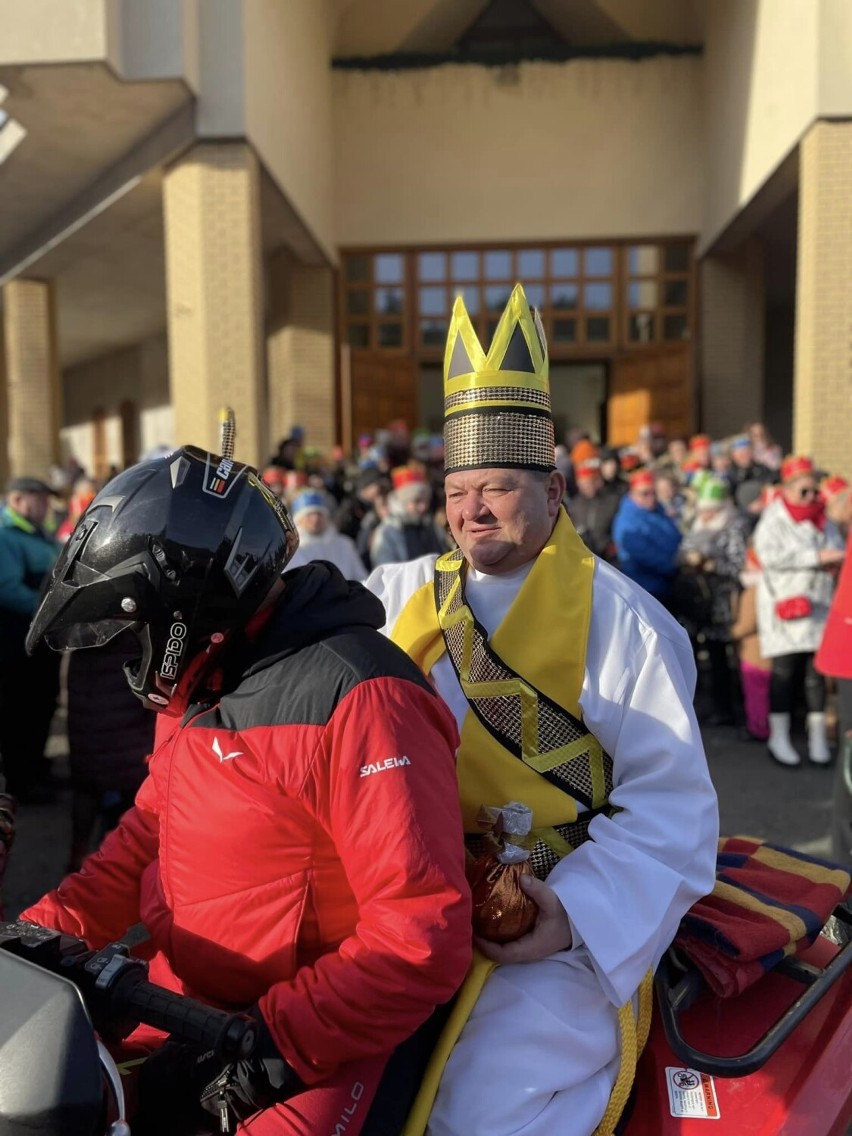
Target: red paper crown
<point x="295" y="479"/>
<point x="407" y="475"/>
<point x="796" y="465"/>
<point x="588" y="468"/>
<point x="831" y="486"/>
<point x="642" y="477"/>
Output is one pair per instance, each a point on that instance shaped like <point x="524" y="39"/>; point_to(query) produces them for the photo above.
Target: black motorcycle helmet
<point x="182" y="550"/>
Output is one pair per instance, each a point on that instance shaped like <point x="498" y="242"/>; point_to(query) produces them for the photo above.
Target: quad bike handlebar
<point x="678" y="988"/>
<point x="118" y="995"/>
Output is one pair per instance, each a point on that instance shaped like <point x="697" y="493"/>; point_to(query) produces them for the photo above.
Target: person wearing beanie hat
<point x="319" y="539"/>
<point x="543" y="650"/>
<point x="800" y="550"/>
<point x="711" y="557"/>
<point x="27" y="554"/>
<point x="744" y="465"/>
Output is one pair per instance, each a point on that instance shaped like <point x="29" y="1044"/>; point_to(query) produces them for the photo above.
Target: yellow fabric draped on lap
<point x="543" y="640"/>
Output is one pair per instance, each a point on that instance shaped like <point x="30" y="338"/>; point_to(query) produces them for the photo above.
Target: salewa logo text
<point x="217" y="749"/>
<point x="381" y="766"/>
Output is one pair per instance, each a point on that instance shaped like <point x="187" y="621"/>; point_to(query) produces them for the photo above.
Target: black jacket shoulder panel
<point x="304" y="687"/>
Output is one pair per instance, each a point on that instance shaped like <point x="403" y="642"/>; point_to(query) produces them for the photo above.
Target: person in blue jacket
<point x="27" y="553"/>
<point x="646" y="538"/>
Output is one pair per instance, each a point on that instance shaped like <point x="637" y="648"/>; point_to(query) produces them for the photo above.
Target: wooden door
<point x="652" y="386"/>
<point x="383" y="388"/>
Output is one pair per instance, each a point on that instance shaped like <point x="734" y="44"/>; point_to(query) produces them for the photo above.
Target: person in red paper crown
<point x="646" y="538"/>
<point x="541" y="649"/>
<point x="410" y="529"/>
<point x="799" y="551"/>
<point x="313" y="873"/>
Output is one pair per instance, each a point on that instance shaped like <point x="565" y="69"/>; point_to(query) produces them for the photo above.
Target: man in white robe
<point x="540" y="1052"/>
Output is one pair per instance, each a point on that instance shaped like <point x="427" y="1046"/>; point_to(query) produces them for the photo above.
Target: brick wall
<point x="823" y="345"/>
<point x="214" y="295"/>
<point x="34" y="397"/>
<point x="300" y="351"/>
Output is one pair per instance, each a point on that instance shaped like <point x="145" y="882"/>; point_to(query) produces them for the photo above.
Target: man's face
<point x="644" y="495"/>
<point x="33" y="506"/>
<point x="589" y="485"/>
<point x="801" y="490"/>
<point x="502" y="518"/>
<point x="314" y="522"/>
<point x="418" y="505"/>
<point x="742" y="456"/>
<point x="677" y="450"/>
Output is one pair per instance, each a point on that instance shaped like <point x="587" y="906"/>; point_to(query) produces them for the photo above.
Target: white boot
<point x="818" y="750"/>
<point x="779" y="744"/>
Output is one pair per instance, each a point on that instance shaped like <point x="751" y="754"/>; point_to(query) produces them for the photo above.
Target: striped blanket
<point x="768" y="902"/>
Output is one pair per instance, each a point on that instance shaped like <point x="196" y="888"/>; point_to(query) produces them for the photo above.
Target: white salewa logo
<point x="381" y="766"/>
<point x="217" y="749"/>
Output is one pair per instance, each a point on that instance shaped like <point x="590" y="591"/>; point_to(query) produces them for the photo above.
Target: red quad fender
<point x="803" y="1089"/>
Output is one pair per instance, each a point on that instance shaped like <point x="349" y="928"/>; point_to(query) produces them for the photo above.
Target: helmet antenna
<point x="227" y="432"/>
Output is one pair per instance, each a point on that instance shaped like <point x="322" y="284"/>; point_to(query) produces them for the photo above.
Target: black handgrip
<point x="231" y="1036"/>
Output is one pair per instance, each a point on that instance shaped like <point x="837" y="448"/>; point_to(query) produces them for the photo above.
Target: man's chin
<point x="488" y="556"/>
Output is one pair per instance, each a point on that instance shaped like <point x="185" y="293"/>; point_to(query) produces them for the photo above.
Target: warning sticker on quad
<point x="691" y="1093"/>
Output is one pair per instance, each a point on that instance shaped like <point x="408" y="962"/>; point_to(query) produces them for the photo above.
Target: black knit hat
<point x="28" y="485"/>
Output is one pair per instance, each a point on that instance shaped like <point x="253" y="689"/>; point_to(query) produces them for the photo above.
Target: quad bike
<point x="774" y="1060"/>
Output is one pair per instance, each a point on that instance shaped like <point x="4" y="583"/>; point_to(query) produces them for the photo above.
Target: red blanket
<point x="768" y="902"/>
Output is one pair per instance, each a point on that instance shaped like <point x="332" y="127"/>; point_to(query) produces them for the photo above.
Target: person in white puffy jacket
<point x="320" y="540"/>
<point x="799" y="549"/>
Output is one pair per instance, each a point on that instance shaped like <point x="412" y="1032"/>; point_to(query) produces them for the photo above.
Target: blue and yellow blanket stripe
<point x="768" y="902"/>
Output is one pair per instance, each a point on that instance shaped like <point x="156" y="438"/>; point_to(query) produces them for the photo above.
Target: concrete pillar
<point x="214" y="288"/>
<point x="822" y="383"/>
<point x="732" y="339"/>
<point x="33" y="381"/>
<point x="300" y="351"/>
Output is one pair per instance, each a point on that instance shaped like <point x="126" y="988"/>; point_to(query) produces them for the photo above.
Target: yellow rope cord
<point x="633" y="1035"/>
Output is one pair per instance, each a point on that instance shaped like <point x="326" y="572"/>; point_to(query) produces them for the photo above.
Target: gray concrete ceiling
<point x="81" y="199"/>
<point x="94" y="139"/>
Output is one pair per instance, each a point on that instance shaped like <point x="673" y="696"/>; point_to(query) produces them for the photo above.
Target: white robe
<point x="540" y="1052"/>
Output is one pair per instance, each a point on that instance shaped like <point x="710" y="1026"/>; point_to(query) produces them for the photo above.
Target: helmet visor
<point x="86" y="634"/>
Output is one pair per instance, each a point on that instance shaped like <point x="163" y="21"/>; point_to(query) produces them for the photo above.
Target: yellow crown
<point x="497" y="405"/>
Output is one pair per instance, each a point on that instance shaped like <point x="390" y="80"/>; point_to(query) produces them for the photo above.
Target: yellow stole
<point x="542" y="637"/>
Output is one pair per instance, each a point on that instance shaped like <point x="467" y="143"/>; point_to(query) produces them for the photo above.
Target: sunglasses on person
<point x="806" y="492"/>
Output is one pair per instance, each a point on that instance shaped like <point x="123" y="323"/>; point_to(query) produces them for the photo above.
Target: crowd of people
<point x="363" y="670"/>
<point x="712" y="528"/>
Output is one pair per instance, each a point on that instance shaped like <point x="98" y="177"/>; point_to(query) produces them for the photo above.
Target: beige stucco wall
<point x="44" y="31"/>
<point x="288" y="104"/>
<point x="463" y="153"/>
<point x="771" y="68"/>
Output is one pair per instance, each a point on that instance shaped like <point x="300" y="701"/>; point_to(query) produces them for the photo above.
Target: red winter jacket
<point x="834" y="656"/>
<point x="299" y="843"/>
